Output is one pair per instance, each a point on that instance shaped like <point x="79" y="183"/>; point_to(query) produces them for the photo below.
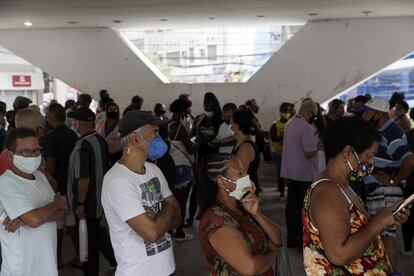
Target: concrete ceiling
<point x="150" y="14"/>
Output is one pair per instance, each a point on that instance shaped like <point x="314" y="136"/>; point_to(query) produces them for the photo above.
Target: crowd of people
<point x="346" y="170"/>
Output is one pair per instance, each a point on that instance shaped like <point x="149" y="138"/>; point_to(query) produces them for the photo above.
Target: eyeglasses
<point x="29" y="152"/>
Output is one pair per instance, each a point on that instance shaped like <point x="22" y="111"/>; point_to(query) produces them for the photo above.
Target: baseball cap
<point x="135" y="119"/>
<point x="83" y="114"/>
<point x="378" y="104"/>
<point x="21" y="102"/>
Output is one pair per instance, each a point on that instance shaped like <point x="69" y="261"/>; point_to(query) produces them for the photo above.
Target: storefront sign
<point x="22" y="81"/>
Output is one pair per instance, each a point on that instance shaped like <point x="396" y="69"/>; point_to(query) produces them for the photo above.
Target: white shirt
<point x="225" y="132"/>
<point x="124" y="193"/>
<point x="28" y="251"/>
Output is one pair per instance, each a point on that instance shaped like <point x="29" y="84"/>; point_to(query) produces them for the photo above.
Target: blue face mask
<point x="157" y="148"/>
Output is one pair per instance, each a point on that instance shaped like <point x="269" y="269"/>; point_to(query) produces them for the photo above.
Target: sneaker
<point x="407" y="254"/>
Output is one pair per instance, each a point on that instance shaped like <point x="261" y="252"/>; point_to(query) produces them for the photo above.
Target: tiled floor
<point x="188" y="257"/>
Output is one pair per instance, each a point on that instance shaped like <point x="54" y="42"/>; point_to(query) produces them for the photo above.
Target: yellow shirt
<point x="280" y="130"/>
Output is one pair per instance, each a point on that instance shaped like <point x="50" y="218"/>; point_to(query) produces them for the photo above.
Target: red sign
<point x="22" y="81"/>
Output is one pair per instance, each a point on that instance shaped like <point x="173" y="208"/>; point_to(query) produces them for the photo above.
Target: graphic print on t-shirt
<point x="152" y="197"/>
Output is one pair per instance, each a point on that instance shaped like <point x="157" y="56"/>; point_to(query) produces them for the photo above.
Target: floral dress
<point x="374" y="261"/>
<point x="219" y="216"/>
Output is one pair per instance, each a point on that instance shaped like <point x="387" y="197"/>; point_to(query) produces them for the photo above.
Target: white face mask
<point x="241" y="184"/>
<point x="27" y="164"/>
<point x="209" y="113"/>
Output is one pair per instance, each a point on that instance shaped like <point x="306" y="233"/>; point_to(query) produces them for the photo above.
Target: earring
<point x="128" y="151"/>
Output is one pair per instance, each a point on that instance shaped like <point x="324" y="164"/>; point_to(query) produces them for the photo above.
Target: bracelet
<point x="81" y="204"/>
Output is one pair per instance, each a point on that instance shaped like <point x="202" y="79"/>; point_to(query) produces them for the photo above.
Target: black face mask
<point x="161" y="112"/>
<point x="112" y="115"/>
<point x="374" y="122"/>
<point x="48" y="127"/>
<point x="312" y="120"/>
<point x="227" y="121"/>
<point x="357" y="113"/>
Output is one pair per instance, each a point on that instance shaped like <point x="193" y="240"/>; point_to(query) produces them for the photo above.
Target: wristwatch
<point x="392" y="182"/>
<point x="81" y="204"/>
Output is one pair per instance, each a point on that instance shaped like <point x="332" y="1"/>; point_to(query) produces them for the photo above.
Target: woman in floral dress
<point x="235" y="237"/>
<point x="339" y="236"/>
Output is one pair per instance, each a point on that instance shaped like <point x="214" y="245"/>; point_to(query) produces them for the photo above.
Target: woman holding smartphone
<point x="340" y="237"/>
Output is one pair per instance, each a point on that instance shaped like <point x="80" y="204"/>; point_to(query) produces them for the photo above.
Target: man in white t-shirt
<point x="225" y="137"/>
<point x="28" y="209"/>
<point x="138" y="204"/>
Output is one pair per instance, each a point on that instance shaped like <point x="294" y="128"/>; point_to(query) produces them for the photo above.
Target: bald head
<point x="29" y="118"/>
<point x="308" y="105"/>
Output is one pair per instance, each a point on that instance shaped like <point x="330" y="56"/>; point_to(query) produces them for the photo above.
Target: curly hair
<point x="349" y="131"/>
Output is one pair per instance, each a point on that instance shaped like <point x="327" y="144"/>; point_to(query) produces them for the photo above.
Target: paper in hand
<point x="405" y="203"/>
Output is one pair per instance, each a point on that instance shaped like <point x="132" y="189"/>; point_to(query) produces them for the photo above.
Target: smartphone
<point x="406" y="202"/>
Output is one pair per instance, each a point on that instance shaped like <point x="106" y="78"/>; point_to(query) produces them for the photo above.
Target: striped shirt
<point x="408" y="138"/>
<point x="391" y="154"/>
<point x="89" y="159"/>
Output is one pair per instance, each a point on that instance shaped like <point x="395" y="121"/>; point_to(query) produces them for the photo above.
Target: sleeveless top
<point x="374" y="261"/>
<point x="218" y="216"/>
<point x="254" y="165"/>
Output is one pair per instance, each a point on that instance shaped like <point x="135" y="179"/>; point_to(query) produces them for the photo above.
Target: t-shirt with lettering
<point x="28" y="251"/>
<point x="124" y="195"/>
